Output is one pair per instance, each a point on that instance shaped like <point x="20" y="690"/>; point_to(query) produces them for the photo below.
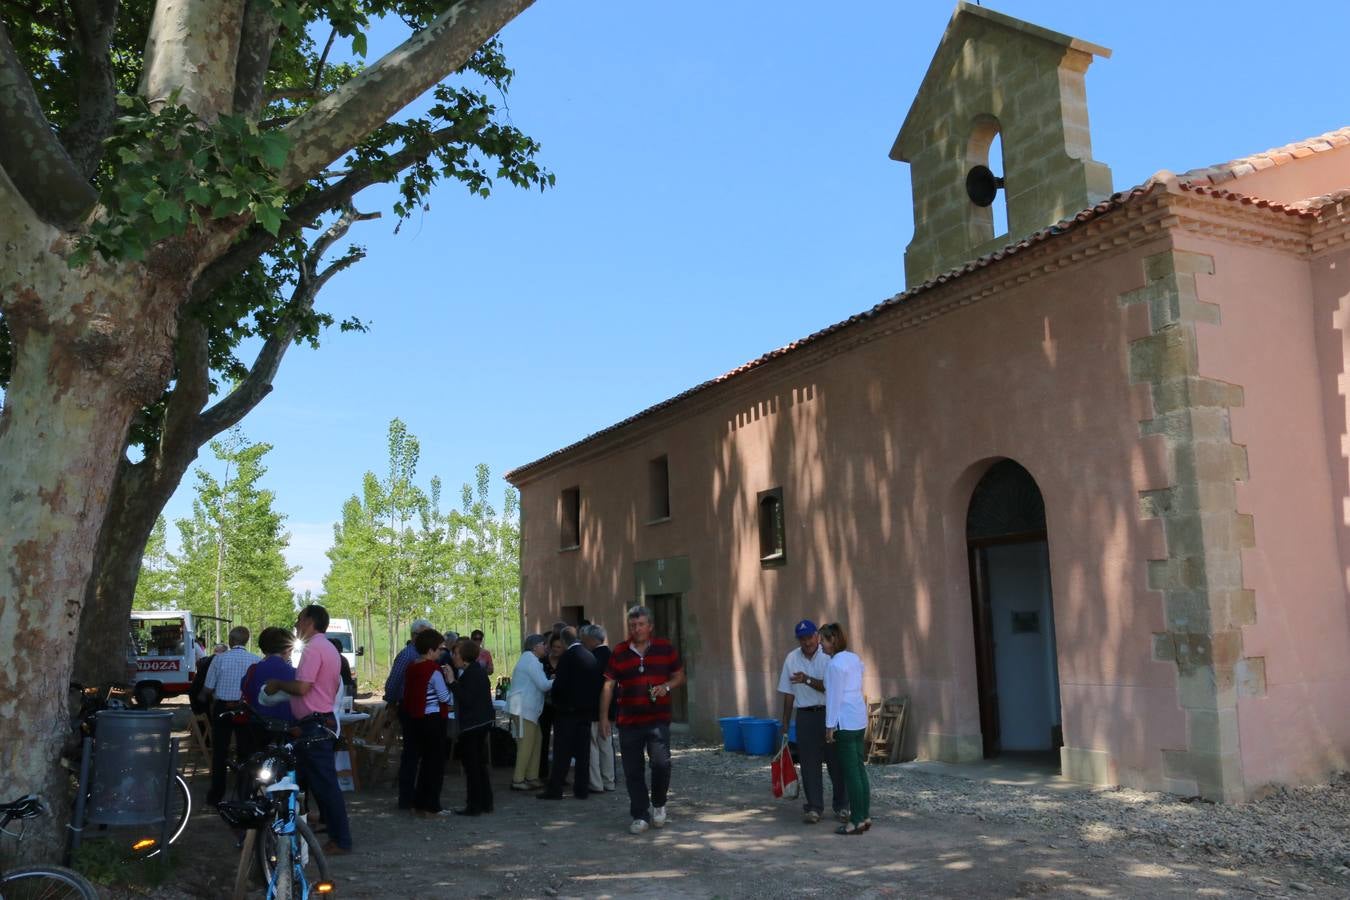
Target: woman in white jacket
<point x="525" y="702"/>
<point x="845" y="722"/>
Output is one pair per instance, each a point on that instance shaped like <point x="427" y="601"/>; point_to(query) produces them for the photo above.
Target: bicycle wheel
<point x="314" y="864"/>
<point x="45" y="883"/>
<point x="180" y="807"/>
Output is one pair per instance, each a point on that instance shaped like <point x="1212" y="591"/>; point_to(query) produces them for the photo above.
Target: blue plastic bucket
<point x="732" y="739"/>
<point x="792" y="732"/>
<point x="760" y="736"/>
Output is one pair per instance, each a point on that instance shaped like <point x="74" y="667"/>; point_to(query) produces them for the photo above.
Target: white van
<point x="341" y="631"/>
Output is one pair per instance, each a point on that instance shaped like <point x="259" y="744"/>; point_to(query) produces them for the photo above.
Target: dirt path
<point x="728" y="839"/>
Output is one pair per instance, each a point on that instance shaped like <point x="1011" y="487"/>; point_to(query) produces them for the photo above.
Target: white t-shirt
<point x="814" y="667"/>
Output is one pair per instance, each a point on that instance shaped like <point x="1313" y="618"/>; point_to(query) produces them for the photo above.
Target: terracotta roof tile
<point x="1315" y="204"/>
<point x="1278" y="156"/>
<point x="1292" y="209"/>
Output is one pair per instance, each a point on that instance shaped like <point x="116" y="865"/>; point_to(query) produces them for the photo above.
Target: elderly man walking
<point x="393" y="696"/>
<point x="223" y="693"/>
<point x="594" y="638"/>
<point x="802" y="684"/>
<point x="642" y="672"/>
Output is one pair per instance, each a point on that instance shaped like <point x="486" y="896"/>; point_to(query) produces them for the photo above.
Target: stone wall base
<point x="1094" y="767"/>
<point x="951" y="748"/>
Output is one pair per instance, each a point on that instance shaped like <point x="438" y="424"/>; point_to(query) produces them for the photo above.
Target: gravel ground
<point x="936" y="836"/>
<point x="1309" y="826"/>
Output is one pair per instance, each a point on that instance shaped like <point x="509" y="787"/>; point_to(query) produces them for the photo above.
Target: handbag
<point x="784" y="773"/>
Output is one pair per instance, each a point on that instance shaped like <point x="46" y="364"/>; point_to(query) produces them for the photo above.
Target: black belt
<point x="808" y="708"/>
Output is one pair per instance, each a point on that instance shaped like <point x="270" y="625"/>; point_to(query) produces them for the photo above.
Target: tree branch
<point x="258" y="383"/>
<point x="345" y="117"/>
<point x="95" y="21"/>
<point x="323" y="59"/>
<point x="192" y="386"/>
<point x="258" y="34"/>
<point x="192" y="50"/>
<point x="39" y="167"/>
<point x="257" y="241"/>
<point x="292" y="94"/>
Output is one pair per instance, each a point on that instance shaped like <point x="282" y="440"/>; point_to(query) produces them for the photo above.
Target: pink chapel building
<point x="1081" y="489"/>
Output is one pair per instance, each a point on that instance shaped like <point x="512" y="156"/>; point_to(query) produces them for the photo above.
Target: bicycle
<point x="93" y="700"/>
<point x="38" y="881"/>
<point x="284" y="846"/>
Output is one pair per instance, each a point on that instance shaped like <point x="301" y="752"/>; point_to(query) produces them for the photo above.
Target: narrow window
<point x="570" y="508"/>
<point x="772" y="534"/>
<point x="658" y="489"/>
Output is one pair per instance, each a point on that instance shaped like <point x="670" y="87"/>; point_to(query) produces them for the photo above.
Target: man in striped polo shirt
<point x="642" y="672"/>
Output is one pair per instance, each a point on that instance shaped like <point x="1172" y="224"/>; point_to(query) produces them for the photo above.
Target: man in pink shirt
<point x="313" y="693"/>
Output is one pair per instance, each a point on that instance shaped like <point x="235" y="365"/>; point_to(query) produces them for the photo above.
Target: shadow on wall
<point x="878" y="454"/>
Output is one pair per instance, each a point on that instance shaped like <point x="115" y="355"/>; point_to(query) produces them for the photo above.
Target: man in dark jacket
<point x="576" y="703"/>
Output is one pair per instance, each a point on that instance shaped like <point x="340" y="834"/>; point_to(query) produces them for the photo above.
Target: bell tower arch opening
<point x="1016" y="662"/>
<point x="984" y="154"/>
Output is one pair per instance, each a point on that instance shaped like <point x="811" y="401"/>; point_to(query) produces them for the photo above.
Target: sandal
<point x="850" y="829"/>
<point x="866" y="825"/>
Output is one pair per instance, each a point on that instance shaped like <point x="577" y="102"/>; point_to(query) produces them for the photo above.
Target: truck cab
<point x="162" y="654"/>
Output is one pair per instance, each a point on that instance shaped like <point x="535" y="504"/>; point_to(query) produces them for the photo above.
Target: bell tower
<point x="996" y="77"/>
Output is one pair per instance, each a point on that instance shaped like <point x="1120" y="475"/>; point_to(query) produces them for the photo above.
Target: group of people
<point x="239" y="684"/>
<point x="440" y="685"/>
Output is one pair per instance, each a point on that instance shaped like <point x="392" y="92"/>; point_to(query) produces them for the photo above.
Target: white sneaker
<point x="658" y="816"/>
<point x="638" y="827"/>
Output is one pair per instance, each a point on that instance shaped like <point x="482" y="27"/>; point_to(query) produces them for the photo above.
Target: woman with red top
<point x="426" y="700"/>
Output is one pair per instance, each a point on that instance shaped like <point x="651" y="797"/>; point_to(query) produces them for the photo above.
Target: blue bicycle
<point x="284" y="848"/>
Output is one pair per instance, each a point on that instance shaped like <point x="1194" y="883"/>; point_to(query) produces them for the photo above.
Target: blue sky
<point x="723" y="189"/>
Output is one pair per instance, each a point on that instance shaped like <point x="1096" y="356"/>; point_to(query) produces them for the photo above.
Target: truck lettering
<point x="157" y="665"/>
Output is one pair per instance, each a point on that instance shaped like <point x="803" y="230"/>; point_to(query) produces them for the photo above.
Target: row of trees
<point x="397" y="555"/>
<point x="231" y="560"/>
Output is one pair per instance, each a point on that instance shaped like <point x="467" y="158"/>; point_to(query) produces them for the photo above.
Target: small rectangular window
<point x="569" y="508"/>
<point x="772" y="531"/>
<point x="658" y="489"/>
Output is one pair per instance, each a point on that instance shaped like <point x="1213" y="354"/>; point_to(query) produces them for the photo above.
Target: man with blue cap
<point x="802" y="685"/>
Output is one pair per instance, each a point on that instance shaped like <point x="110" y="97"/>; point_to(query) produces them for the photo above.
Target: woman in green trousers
<point x="845" y="723"/>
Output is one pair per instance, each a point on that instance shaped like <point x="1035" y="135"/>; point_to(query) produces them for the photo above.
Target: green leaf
<point x="269" y="217"/>
<point x="359" y="44"/>
<point x="275" y="147"/>
<point x="167" y="210"/>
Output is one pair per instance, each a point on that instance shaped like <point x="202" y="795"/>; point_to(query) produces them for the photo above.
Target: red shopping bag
<point x="784" y="772"/>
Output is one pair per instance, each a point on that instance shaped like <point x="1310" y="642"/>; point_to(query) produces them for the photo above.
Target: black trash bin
<point x="125" y="772"/>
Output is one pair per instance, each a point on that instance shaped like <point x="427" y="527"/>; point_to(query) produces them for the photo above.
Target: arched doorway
<point x="1016" y="665"/>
